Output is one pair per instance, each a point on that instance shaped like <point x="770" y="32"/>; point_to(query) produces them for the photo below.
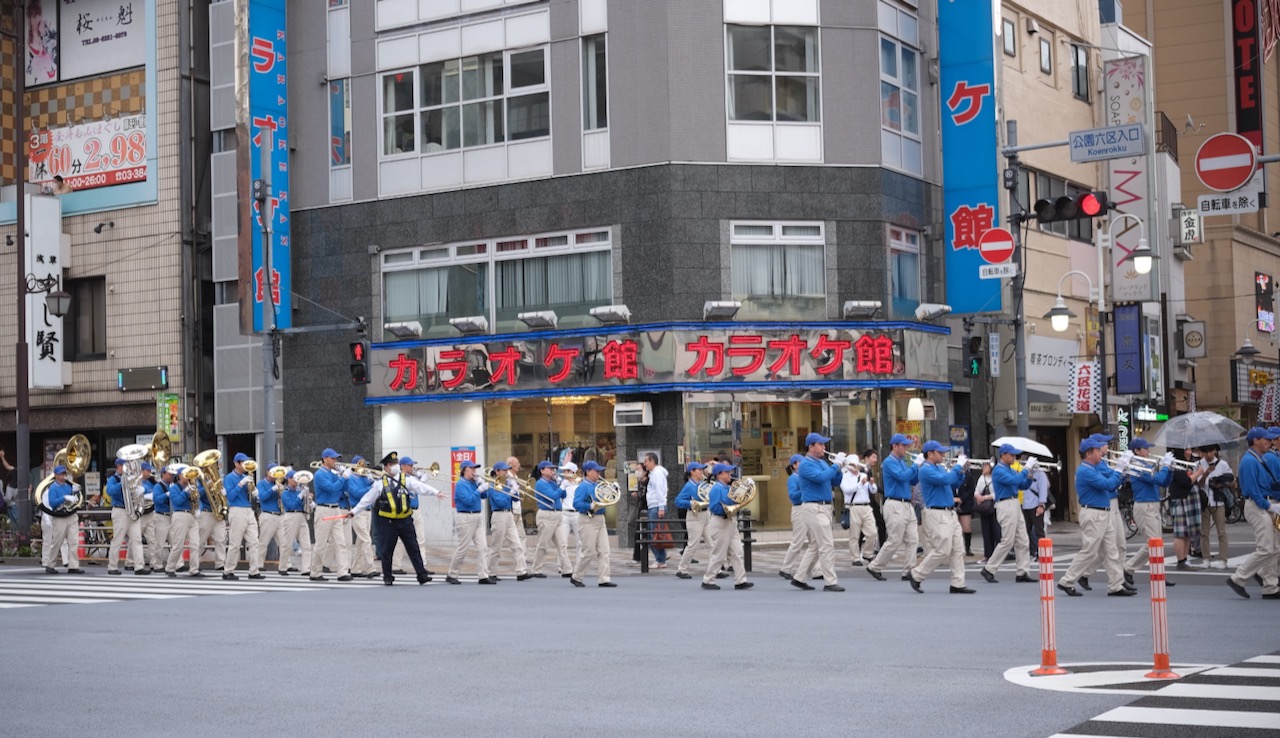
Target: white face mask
<point x="394" y="469"/>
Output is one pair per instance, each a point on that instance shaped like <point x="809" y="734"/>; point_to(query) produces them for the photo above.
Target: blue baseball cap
<point x="146" y="466"/>
<point x="592" y="466"/>
<point x="329" y="453"/>
<point x="289" y="475"/>
<point x="500" y="466"/>
<point x="694" y="465"/>
<point x="796" y="458"/>
<point x="240" y="457"/>
<point x="813" y="438"/>
<point x="1274" y="431"/>
<point x="121" y="462"/>
<point x="357" y="459"/>
<point x="59" y="469"/>
<point x="1257" y="432"/>
<point x="1006" y="448"/>
<point x="467" y="465"/>
<point x="1102" y="437"/>
<point x="1139" y="443"/>
<point x="719" y="469"/>
<point x="545" y="465"/>
<point x="406" y="461"/>
<point x="1091" y="443"/>
<point x="899" y="440"/>
<point x="933" y="446"/>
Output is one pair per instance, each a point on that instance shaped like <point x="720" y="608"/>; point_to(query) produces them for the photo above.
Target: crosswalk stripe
<point x="83" y="591"/>
<point x="1235" y="671"/>
<point x="1268" y="659"/>
<point x="1193" y="717"/>
<point x="1221" y="691"/>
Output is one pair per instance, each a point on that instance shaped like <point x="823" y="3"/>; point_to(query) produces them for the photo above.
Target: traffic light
<point x="359" y="362"/>
<point x="975" y="367"/>
<point x="973" y="357"/>
<point x="1073" y="207"/>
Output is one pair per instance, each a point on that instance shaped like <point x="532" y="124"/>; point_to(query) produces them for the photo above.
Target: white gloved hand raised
<point x="1031" y="463"/>
<point x="839" y="459"/>
<point x="962" y="461"/>
<point x="482" y="487"/>
<point x="1167" y="459"/>
<point x="919" y="461"/>
<point x="75" y="487"/>
<point x="245" y="482"/>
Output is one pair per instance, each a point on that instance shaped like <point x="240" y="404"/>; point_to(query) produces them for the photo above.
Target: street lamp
<point x="1060" y="319"/>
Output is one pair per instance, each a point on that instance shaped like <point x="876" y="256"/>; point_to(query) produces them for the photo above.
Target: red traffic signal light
<point x="1073" y="207"/>
<point x="358" y="351"/>
<point x="359" y="362"/>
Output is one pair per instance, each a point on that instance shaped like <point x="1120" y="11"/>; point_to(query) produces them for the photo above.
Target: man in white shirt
<point x="656" y="500"/>
<point x="858" y="489"/>
<point x="1214" y="513"/>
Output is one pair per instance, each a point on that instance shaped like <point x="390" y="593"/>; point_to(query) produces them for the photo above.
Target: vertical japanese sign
<point x="1126" y="103"/>
<point x="457" y="455"/>
<point x="1264" y="301"/>
<point x="268" y="112"/>
<point x="970" y="183"/>
<point x="1124" y="427"/>
<point x="1085" y="395"/>
<point x="169" y="415"/>
<point x="1130" y="370"/>
<point x="1248" y="79"/>
<point x="44" y="260"/>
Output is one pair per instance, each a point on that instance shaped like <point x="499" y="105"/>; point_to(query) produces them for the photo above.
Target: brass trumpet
<point x="360" y="471"/>
<point x="849" y="460"/>
<point x="1137" y="464"/>
<point x="304" y="479"/>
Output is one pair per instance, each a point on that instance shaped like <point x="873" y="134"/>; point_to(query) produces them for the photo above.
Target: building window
<point x="1010" y="37"/>
<point x="900" y="105"/>
<point x="85" y="326"/>
<point x="1046" y="56"/>
<point x="339" y="123"/>
<point x="462" y="103"/>
<point x="569" y="273"/>
<point x="595" y="84"/>
<point x="1049" y="187"/>
<point x="904" y="271"/>
<point x="337" y="4"/>
<point x="778" y="270"/>
<point x="1080" y="71"/>
<point x="773" y="74"/>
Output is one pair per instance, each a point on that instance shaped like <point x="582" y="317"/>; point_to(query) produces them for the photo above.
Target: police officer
<point x="726" y="543"/>
<point x="591" y="527"/>
<point x="1261" y="509"/>
<point x="938" y="486"/>
<point x="1006" y="482"/>
<point x="800" y="551"/>
<point x="293" y="527"/>
<point x="1146" y="504"/>
<point x="183" y="531"/>
<point x="503" y="519"/>
<point x="695" y="521"/>
<point x="64" y="526"/>
<point x="157" y="533"/>
<point x="1094" y="481"/>
<point x="270" y="520"/>
<point x="816" y="478"/>
<point x="362" y="549"/>
<point x="469" y="525"/>
<point x="899" y="475"/>
<point x="393" y="517"/>
<point x="551" y="533"/>
<point x="330" y="486"/>
<point x="242" y="527"/>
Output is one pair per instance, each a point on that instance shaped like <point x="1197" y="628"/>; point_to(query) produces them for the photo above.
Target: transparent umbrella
<point x="1025" y="445"/>
<point x="1198" y="429"/>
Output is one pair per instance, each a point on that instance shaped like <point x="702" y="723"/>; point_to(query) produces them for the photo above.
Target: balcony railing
<point x="1166" y="135"/>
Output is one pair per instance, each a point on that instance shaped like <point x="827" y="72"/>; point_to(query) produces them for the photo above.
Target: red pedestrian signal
<point x="359" y="362"/>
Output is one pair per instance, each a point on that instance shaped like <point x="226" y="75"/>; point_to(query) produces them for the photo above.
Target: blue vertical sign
<point x="970" y="179"/>
<point x="1130" y="372"/>
<point x="268" y="111"/>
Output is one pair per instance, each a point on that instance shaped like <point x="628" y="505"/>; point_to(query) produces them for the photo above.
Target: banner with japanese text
<point x="268" y="113"/>
<point x="970" y="162"/>
<point x="671" y="358"/>
<point x="1086" y="395"/>
<point x="45" y="264"/>
<point x="457" y="455"/>
<point x="1126" y="102"/>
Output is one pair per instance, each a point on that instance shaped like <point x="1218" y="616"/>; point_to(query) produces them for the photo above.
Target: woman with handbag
<point x="984" y="504"/>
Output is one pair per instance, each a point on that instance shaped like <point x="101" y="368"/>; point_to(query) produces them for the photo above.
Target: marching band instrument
<point x="742" y="492"/>
<point x="703" y="500"/>
<point x="606" y="494"/>
<point x="189" y="475"/>
<point x="849" y="460"/>
<point x="278" y="473"/>
<point x="304" y="479"/>
<point x="131" y="478"/>
<point x="1137" y="464"/>
<point x="360" y="471"/>
<point x="250" y="471"/>
<point x="74" y="456"/>
<point x="160" y="450"/>
<point x="207" y="463"/>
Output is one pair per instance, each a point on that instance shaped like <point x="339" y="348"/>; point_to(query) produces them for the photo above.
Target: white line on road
<point x="1179" y="716"/>
<point x="1221" y="691"/>
<point x="1269" y="659"/>
<point x="1235" y="671"/>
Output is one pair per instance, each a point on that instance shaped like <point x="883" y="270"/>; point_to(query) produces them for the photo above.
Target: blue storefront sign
<point x="1130" y="374"/>
<point x="970" y="173"/>
<point x="268" y="112"/>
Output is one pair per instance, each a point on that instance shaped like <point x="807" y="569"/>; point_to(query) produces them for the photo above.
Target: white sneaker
<point x="1219" y="564"/>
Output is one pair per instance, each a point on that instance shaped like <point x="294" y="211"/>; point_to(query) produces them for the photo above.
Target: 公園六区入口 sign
<point x="1114" y="142"/>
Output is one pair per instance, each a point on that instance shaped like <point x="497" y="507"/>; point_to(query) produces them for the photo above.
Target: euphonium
<point x="75" y="456"/>
<point x="304" y="479"/>
<point x="250" y="471"/>
<point x="207" y="463"/>
<point x="131" y="479"/>
<point x="703" y="500"/>
<point x="742" y="492"/>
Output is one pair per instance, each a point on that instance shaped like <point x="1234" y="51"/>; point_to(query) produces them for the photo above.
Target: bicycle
<point x="1126" y="514"/>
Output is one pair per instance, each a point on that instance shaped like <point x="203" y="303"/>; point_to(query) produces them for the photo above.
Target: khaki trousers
<point x="158" y="539"/>
<point x="726" y="543"/>
<point x="330" y="540"/>
<point x="551" y="535"/>
<point x="569" y="524"/>
<point x="946" y="545"/>
<point x="799" y="542"/>
<point x="330" y="560"/>
<point x="1217" y="518"/>
<point x="504" y="536"/>
<point x="269" y="530"/>
<point x="57" y="533"/>
<point x="518" y="512"/>
<point x="698" y="530"/>
<point x="242" y="527"/>
<point x="468" y="528"/>
<point x="862" y="523"/>
<point x="211" y="527"/>
<point x="362" y="553"/>
<point x="183" y="531"/>
<point x="1147" y="516"/>
<point x="817" y="521"/>
<point x="900" y="534"/>
<point x="401" y="560"/>
<point x="1118" y="530"/>
<point x="1263" y="560"/>
<point x="1097" y="548"/>
<point x="595" y="545"/>
<point x="1013" y="535"/>
<point x="122" y="525"/>
<point x="294" y="528"/>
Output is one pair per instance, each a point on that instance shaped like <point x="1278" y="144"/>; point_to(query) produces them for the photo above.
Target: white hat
<point x="569" y="466"/>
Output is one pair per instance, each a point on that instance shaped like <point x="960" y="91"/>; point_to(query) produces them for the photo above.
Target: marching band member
<point x="516" y="502"/>
<point x="858" y="490"/>
<point x="157" y="533"/>
<point x="362" y="550"/>
<point x="595" y="536"/>
<point x="184" y="499"/>
<point x="469" y="525"/>
<point x="294" y="526"/>
<point x="329" y="486"/>
<point x="1146" y="504"/>
<point x="1094" y="481"/>
<point x="800" y="551"/>
<point x="569" y="522"/>
<point x="242" y="527"/>
<point x="1006" y="482"/>
<point x="695" y="521"/>
<point x="551" y="531"/>
<point x="389" y="500"/>
<point x="63" y="527"/>
<point x="941" y="526"/>
<point x="270" y="518"/>
<point x="503" y="520"/>
<point x="899" y="515"/>
<point x="1261" y="509"/>
<point x="419" y="513"/>
<point x="147" y="519"/>
<point x="726" y="542"/>
<point x="816" y="478"/>
<point x="122" y="525"/>
<point x="209" y="528"/>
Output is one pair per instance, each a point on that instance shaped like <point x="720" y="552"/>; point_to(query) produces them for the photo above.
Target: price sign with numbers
<point x="90" y="155"/>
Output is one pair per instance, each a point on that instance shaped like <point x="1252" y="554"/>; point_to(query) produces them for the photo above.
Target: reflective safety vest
<point x="394" y="502"/>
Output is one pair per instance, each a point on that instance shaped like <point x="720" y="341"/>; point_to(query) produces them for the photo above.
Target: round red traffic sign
<point x="996" y="246"/>
<point x="1226" y="162"/>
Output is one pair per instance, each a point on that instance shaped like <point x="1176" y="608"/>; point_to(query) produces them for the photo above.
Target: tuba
<point x="703" y="500"/>
<point x="207" y="463"/>
<point x="742" y="492"/>
<point x="606" y="494"/>
<point x="74" y="456"/>
<point x="131" y="479"/>
<point x="304" y="479"/>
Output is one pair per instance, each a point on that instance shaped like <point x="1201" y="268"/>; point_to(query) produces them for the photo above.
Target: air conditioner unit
<point x="632" y="413"/>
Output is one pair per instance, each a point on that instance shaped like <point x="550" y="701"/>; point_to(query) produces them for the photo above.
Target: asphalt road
<point x="656" y="656"/>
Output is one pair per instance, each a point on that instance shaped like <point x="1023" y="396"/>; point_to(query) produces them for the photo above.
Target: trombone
<point x="360" y="471"/>
<point x="849" y="460"/>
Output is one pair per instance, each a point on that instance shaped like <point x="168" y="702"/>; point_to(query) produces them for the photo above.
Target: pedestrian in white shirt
<point x="656" y="500"/>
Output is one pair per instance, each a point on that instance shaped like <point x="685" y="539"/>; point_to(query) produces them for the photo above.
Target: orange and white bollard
<point x="1048" y="628"/>
<point x="1159" y="613"/>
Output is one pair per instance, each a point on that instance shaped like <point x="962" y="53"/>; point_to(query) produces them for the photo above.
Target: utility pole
<point x="1012" y="174"/>
<point x="22" y="386"/>
<point x="262" y="192"/>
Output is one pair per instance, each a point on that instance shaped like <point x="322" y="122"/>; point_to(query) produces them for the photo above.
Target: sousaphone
<point x="74" y="456"/>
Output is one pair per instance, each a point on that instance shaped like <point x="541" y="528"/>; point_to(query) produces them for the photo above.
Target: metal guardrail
<point x="646" y="536"/>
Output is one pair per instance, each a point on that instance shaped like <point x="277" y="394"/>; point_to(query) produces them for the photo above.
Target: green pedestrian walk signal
<point x="975" y="366"/>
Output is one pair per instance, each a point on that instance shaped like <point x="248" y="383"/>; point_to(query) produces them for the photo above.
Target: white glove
<point x="839" y="459"/>
<point x="245" y="481"/>
<point x="75" y="487"/>
<point x="919" y="460"/>
<point x="1031" y="463"/>
<point x="962" y="460"/>
<point x="1274" y="509"/>
<point x="483" y="487"/>
<point x="1125" y="458"/>
<point x="862" y="478"/>
<point x="148" y="497"/>
<point x="1167" y="459"/>
<point x="346" y="473"/>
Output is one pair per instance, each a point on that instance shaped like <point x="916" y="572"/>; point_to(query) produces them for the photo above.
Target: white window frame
<point x="1046" y="67"/>
<point x="773" y="74"/>
<point x="904" y="241"/>
<point x="778" y="236"/>
<point x="890" y="135"/>
<point x="582" y="72"/>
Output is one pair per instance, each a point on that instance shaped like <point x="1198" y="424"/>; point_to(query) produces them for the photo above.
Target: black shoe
<point x="1272" y="596"/>
<point x="1084" y="584"/>
<point x="538" y="576"/>
<point x="429" y="572"/>
<point x="722" y="575"/>
<point x="393" y="571"/>
<point x="197" y="574"/>
<point x="1122" y="593"/>
<point x="783" y="574"/>
<point x="606" y="584"/>
<point x="490" y="580"/>
<point x="1168" y="583"/>
<point x="828" y="588"/>
<point x="388" y="582"/>
<point x="906" y="576"/>
<point x="1024" y="578"/>
<point x="183" y="568"/>
<point x="453" y="580"/>
<point x="991" y="578"/>
<point x="142" y="572"/>
<point x="112" y="572"/>
<point x="566" y="576"/>
<point x="682" y="575"/>
<point x="1258" y="578"/>
<point x="1237" y="587"/>
<point x="875" y="573"/>
<point x="495" y="578"/>
<point x="801" y="585"/>
<point x="914" y="584"/>
<point x="523" y="577"/>
<point x="710" y="586"/>
<point x="1129" y="588"/>
<point x="1128" y="578"/>
<point x="1196" y="554"/>
<point x="320" y="579"/>
<point x="171" y="574"/>
<point x="257" y="576"/>
<point x="817" y="578"/>
<point x="575" y="582"/>
<point x="75" y="571"/>
<point x="424" y="580"/>
<point x="51" y="570"/>
<point x="962" y="590"/>
<point x="344" y="578"/>
<point x="749" y="585"/>
<point x="1071" y="591"/>
<point x="283" y="573"/>
<point x="229" y="576"/>
<point x="376" y="574"/>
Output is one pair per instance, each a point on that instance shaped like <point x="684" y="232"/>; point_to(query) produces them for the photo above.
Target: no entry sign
<point x="996" y="245"/>
<point x="1226" y="162"/>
